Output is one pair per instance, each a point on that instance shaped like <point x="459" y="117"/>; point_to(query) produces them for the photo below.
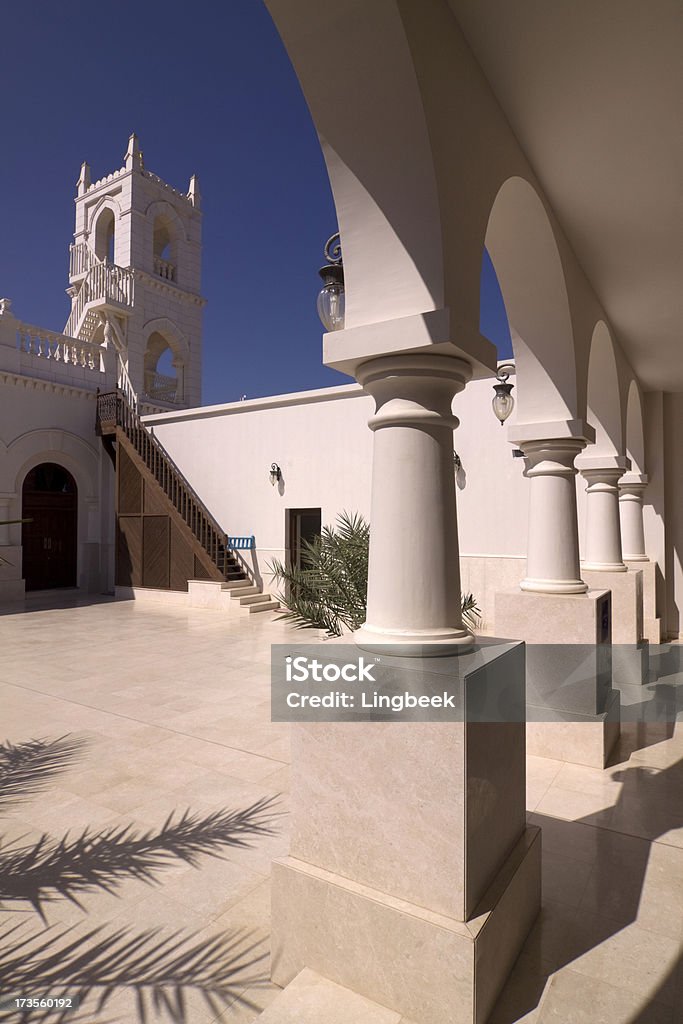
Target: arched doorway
<point x="49" y="541"/>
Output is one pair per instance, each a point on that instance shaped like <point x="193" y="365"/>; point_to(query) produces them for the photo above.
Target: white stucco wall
<point x="321" y="441"/>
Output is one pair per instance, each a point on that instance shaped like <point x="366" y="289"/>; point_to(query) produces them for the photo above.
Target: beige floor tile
<point x="573" y="999"/>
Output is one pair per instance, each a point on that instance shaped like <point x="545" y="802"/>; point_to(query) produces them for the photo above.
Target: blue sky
<point x="208" y="88"/>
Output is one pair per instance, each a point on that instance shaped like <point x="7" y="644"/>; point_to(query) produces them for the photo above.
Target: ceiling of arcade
<point x="593" y="93"/>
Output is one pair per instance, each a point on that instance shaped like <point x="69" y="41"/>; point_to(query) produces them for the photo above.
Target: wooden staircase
<point x="165" y="534"/>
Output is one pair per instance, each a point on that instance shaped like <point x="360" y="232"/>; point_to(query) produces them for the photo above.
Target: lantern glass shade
<point x="331" y="306"/>
<point x="503" y="402"/>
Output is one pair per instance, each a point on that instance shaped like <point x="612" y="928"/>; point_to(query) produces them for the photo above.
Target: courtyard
<point x="147" y="712"/>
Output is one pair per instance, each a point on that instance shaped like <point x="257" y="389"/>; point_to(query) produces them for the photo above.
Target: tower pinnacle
<point x="133" y="155"/>
<point x="83" y="183"/>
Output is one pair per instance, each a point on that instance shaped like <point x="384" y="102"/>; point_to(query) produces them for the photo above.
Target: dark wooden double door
<point x="50" y="537"/>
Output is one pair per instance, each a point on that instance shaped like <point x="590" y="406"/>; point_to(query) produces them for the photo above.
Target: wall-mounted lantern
<point x="331" y="303"/>
<point x="503" y="402"/>
<point x="275" y="474"/>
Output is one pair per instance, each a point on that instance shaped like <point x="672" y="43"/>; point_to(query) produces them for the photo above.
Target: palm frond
<point x="47" y="869"/>
<point x="27" y="768"/>
<point x="330" y="589"/>
<point x="160" y="970"/>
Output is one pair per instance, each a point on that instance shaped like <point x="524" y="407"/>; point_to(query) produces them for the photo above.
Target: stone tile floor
<point x="167" y="709"/>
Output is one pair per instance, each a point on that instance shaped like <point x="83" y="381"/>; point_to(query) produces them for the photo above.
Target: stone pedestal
<point x="630" y="650"/>
<point x="413" y="878"/>
<point x="573" y="713"/>
<point x="652" y="626"/>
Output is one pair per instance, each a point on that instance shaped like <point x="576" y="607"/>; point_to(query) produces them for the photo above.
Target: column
<point x="553" y="545"/>
<point x="603" y="529"/>
<point x="631" y="489"/>
<point x="414" y="573"/>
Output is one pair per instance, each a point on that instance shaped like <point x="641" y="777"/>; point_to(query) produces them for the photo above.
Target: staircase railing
<point x="122" y="407"/>
<point x="104" y="282"/>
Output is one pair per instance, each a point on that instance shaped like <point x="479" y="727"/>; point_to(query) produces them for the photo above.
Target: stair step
<point x="253" y="598"/>
<point x="312" y="999"/>
<point x="264" y="606"/>
<point x="244" y="592"/>
<point x="240" y="585"/>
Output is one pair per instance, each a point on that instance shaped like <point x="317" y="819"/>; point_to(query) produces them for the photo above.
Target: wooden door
<point x="50" y="539"/>
<point x="303" y="524"/>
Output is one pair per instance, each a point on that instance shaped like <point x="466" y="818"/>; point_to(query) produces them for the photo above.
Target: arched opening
<point x="105" y="236"/>
<point x="163" y="381"/>
<point x="635" y="439"/>
<point x="521" y="245"/>
<point x="165" y="247"/>
<point x="493" y="321"/>
<point x="50" y="539"/>
<point x="604" y="405"/>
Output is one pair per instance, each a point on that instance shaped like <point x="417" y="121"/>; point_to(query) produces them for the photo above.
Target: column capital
<point x="612" y="466"/>
<point x="633" y="483"/>
<point x="433" y="332"/>
<point x="551" y="432"/>
<point x="414" y="390"/>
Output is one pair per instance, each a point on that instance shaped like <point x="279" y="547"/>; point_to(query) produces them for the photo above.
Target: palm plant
<point x="329" y="590"/>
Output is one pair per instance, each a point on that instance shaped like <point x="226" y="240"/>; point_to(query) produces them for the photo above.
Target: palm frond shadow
<point x="43" y="870"/>
<point x="159" y="970"/>
<point x="27" y="768"/>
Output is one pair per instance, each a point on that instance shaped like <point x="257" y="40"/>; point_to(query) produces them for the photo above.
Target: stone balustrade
<point x="164" y="269"/>
<point x="68" y="357"/>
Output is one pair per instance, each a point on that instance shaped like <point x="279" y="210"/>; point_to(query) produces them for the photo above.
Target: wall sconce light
<point x="331" y="303"/>
<point x="275" y="474"/>
<point x="503" y="402"/>
<point x="456" y="462"/>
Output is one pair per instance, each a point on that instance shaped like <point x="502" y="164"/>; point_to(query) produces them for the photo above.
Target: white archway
<point x="522" y="246"/>
<point x="604" y="395"/>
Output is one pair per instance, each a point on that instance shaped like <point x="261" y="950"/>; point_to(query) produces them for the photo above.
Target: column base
<point x="579" y="739"/>
<point x="554" y="586"/>
<point x="413" y="644"/>
<point x="573" y="713"/>
<point x="367" y="941"/>
<point x="631" y="664"/>
<point x="635" y="558"/>
<point x="629" y="655"/>
<point x="604" y="567"/>
<point x="652" y="626"/>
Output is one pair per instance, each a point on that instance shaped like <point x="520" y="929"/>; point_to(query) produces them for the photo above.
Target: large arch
<point x="49" y="538"/>
<point x="604" y="395"/>
<point x="167" y="237"/>
<point x="164" y="342"/>
<point x="635" y="433"/>
<point x="103" y="221"/>
<point x="522" y="246"/>
<point x="82" y="461"/>
<point x="376" y="145"/>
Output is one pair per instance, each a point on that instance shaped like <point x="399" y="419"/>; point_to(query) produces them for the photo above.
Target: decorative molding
<point x="162" y="285"/>
<point x="39" y="384"/>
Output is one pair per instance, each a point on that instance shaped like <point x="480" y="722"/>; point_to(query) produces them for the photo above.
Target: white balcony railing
<point x="162" y="268"/>
<point x="160" y="387"/>
<point x="81" y="259"/>
<point x="59" y="349"/>
<point x="104" y="283"/>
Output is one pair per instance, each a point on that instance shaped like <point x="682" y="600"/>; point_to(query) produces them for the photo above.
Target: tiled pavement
<point x="172" y="708"/>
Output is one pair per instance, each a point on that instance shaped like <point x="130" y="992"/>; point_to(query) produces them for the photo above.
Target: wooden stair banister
<point x="117" y="417"/>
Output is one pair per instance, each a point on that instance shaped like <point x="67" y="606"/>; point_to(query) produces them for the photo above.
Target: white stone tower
<point x="135" y="268"/>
